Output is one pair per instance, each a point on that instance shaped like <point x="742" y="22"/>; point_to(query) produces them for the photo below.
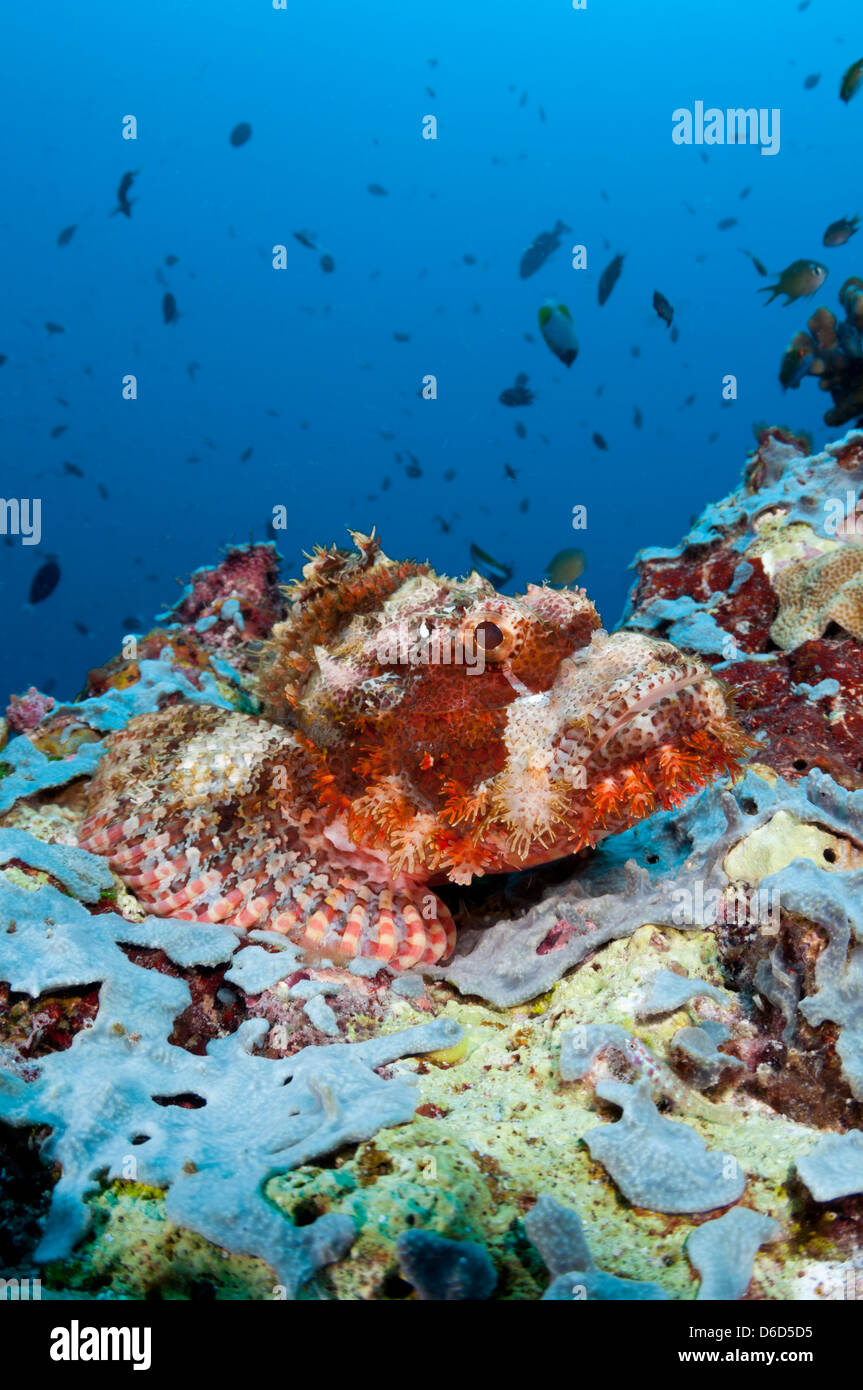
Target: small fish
<point x="377" y="190"/>
<point x="124" y="202"/>
<point x="170" y="312"/>
<point x="61" y="400"/>
<point x="637" y="418"/>
<point x="520" y="430"/>
<point x="55" y="327"/>
<point x="565" y="567"/>
<point x="58" y="430"/>
<point x="73" y="470"/>
<point x="67" y="234"/>
<point x="449" y="475"/>
<point x="306" y="239"/>
<point x="3" y="358"/>
<point x="599" y="441"/>
<point x="635" y="350"/>
<point x="690" y="400"/>
<point x="558" y="331"/>
<point x="540" y="249"/>
<point x="444" y="525"/>
<point x="193" y="458"/>
<point x="171" y="260"/>
<point x="241" y="134"/>
<point x="745" y="192"/>
<point x="662" y="307"/>
<point x="509" y="471"/>
<point x="103" y="491"/>
<point x="725" y="222"/>
<point x="851" y="80"/>
<point x="798" y="280"/>
<point x="609" y="277"/>
<point x="468" y="258"/>
<point x="246" y="454"/>
<point x="488" y="567"/>
<point x="675" y="333"/>
<point x="812" y="81"/>
<point x="82" y="628"/>
<point x="796" y="361"/>
<point x="519" y="394"/>
<point x="402" y="337"/>
<point x="541" y="114"/>
<point x="192" y="368"/>
<point x="45" y="581"/>
<point x="327" y="263"/>
<point x="413" y="470"/>
<point x="759" y="265"/>
<point x="839" y="232"/>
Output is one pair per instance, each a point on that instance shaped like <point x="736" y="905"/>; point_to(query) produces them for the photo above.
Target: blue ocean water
<point x="542" y="112"/>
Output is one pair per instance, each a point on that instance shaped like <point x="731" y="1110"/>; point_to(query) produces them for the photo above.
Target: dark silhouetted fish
<point x="519" y="394"/>
<point x="73" y="470"/>
<point x="610" y="276"/>
<point x="192" y="368"/>
<point x="662" y="307"/>
<point x="745" y="192"/>
<point x="759" y="265"/>
<point x="171" y="260"/>
<point x="327" y="263"/>
<point x="306" y="239"/>
<point x="839" y="232"/>
<point x="3" y="358"/>
<point x="599" y="441"/>
<point x="247" y="454"/>
<point x="67" y="234"/>
<point x="413" y="470"/>
<point x="540" y="249"/>
<point x="81" y="627"/>
<point x="675" y="333"/>
<point x="170" y="312"/>
<point x="509" y="471"/>
<point x="637" y="418"/>
<point x="378" y="190"/>
<point x="124" y="202"/>
<point x="241" y="134"/>
<point x="812" y="81"/>
<point x="55" y="327"/>
<point x="103" y="491"/>
<point x="402" y="337"/>
<point x="488" y="567"/>
<point x="45" y="581"/>
<point x="725" y="222"/>
<point x="520" y="430"/>
<point x="58" y="430"/>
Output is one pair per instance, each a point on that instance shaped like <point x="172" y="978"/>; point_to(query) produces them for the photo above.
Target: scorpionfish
<point x="413" y="729"/>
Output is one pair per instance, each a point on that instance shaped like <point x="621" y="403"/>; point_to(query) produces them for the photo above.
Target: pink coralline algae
<point x="25" y="711"/>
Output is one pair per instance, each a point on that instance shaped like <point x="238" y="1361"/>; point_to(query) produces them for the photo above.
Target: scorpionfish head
<point x="457" y="731"/>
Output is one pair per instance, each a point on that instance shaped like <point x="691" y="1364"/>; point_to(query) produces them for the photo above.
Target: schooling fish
<point x="170" y="312"/>
<point x="759" y="265"/>
<point x="489" y="567"/>
<point x="241" y="134"/>
<point x="55" y="327"/>
<point x="124" y="202"/>
<point x="662" y="307"/>
<point x="565" y="567"/>
<point x="798" y="280"/>
<point x="609" y="277"/>
<point x="839" y="232"/>
<point x="67" y="234"/>
<point x="599" y="441"/>
<point x="306" y="239"/>
<point x="377" y="190"/>
<point x="540" y="249"/>
<point x="519" y="394"/>
<point x="45" y="581"/>
<point x="851" y="80"/>
<point x="558" y="330"/>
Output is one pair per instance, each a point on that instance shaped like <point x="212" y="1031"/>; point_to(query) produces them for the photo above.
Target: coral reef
<point x="638" y="1075"/>
<point x="832" y="351"/>
<point x="417" y="730"/>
